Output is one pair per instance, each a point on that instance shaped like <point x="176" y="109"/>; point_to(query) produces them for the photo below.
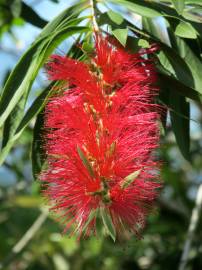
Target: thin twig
<point x="95" y="25"/>
<point x="192" y="227"/>
<point x="25" y="239"/>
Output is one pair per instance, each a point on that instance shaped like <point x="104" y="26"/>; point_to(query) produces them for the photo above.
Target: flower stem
<point x="95" y="25"/>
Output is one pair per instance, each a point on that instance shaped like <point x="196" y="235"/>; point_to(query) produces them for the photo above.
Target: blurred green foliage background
<point x="22" y="206"/>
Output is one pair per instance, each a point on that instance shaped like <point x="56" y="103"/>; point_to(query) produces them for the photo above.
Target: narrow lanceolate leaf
<point x="121" y="35"/>
<point x="155" y="32"/>
<point x="193" y="14"/>
<point x="37" y="153"/>
<point x="45" y="50"/>
<point x="21" y="80"/>
<point x="15" y="124"/>
<point x="185" y="30"/>
<point x="9" y="128"/>
<point x="185" y="63"/>
<point x="30" y="16"/>
<point x="128" y="180"/>
<point x="115" y="17"/>
<point x="137" y="7"/>
<point x="194" y="2"/>
<point x="85" y="161"/>
<point x="23" y="75"/>
<point x="179" y="5"/>
<point x="108" y="223"/>
<point x="175" y="85"/>
<point x="35" y="108"/>
<point x="192" y="61"/>
<point x="180" y="61"/>
<point x="180" y="125"/>
<point x="179" y="87"/>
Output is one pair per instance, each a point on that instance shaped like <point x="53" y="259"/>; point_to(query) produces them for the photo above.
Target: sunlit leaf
<point x="23" y="75"/>
<point x="121" y="35"/>
<point x="185" y="30"/>
<point x="115" y="17"/>
<point x="137" y="7"/>
<point x="179" y="5"/>
<point x="193" y="14"/>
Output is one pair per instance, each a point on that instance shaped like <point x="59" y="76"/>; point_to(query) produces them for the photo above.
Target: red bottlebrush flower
<point x="101" y="130"/>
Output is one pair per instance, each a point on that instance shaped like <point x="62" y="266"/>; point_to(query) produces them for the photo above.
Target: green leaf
<point x="115" y="17"/>
<point x="47" y="45"/>
<point x="23" y="75"/>
<point x="9" y="128"/>
<point x="121" y="35"/>
<point x="46" y="48"/>
<point x="24" y="88"/>
<point x="129" y="179"/>
<point x="165" y="10"/>
<point x="108" y="223"/>
<point x="114" y="21"/>
<point x="37" y="153"/>
<point x="117" y="25"/>
<point x="65" y="16"/>
<point x="192" y="61"/>
<point x="143" y="43"/>
<point x="34" y="109"/>
<point x="179" y="5"/>
<point x="193" y="2"/>
<point x="180" y="125"/>
<point x="179" y="111"/>
<point x="175" y="85"/>
<point x="176" y="66"/>
<point x="85" y="161"/>
<point x="30" y="16"/>
<point x="137" y="7"/>
<point x="179" y="60"/>
<point x="157" y="33"/>
<point x="87" y="47"/>
<point x="12" y="93"/>
<point x="185" y="30"/>
<point x="193" y="14"/>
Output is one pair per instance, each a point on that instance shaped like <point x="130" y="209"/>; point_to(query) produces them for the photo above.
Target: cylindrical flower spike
<point x="101" y="133"/>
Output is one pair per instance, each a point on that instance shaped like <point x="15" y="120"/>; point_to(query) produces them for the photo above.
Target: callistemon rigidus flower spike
<point x="101" y="133"/>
